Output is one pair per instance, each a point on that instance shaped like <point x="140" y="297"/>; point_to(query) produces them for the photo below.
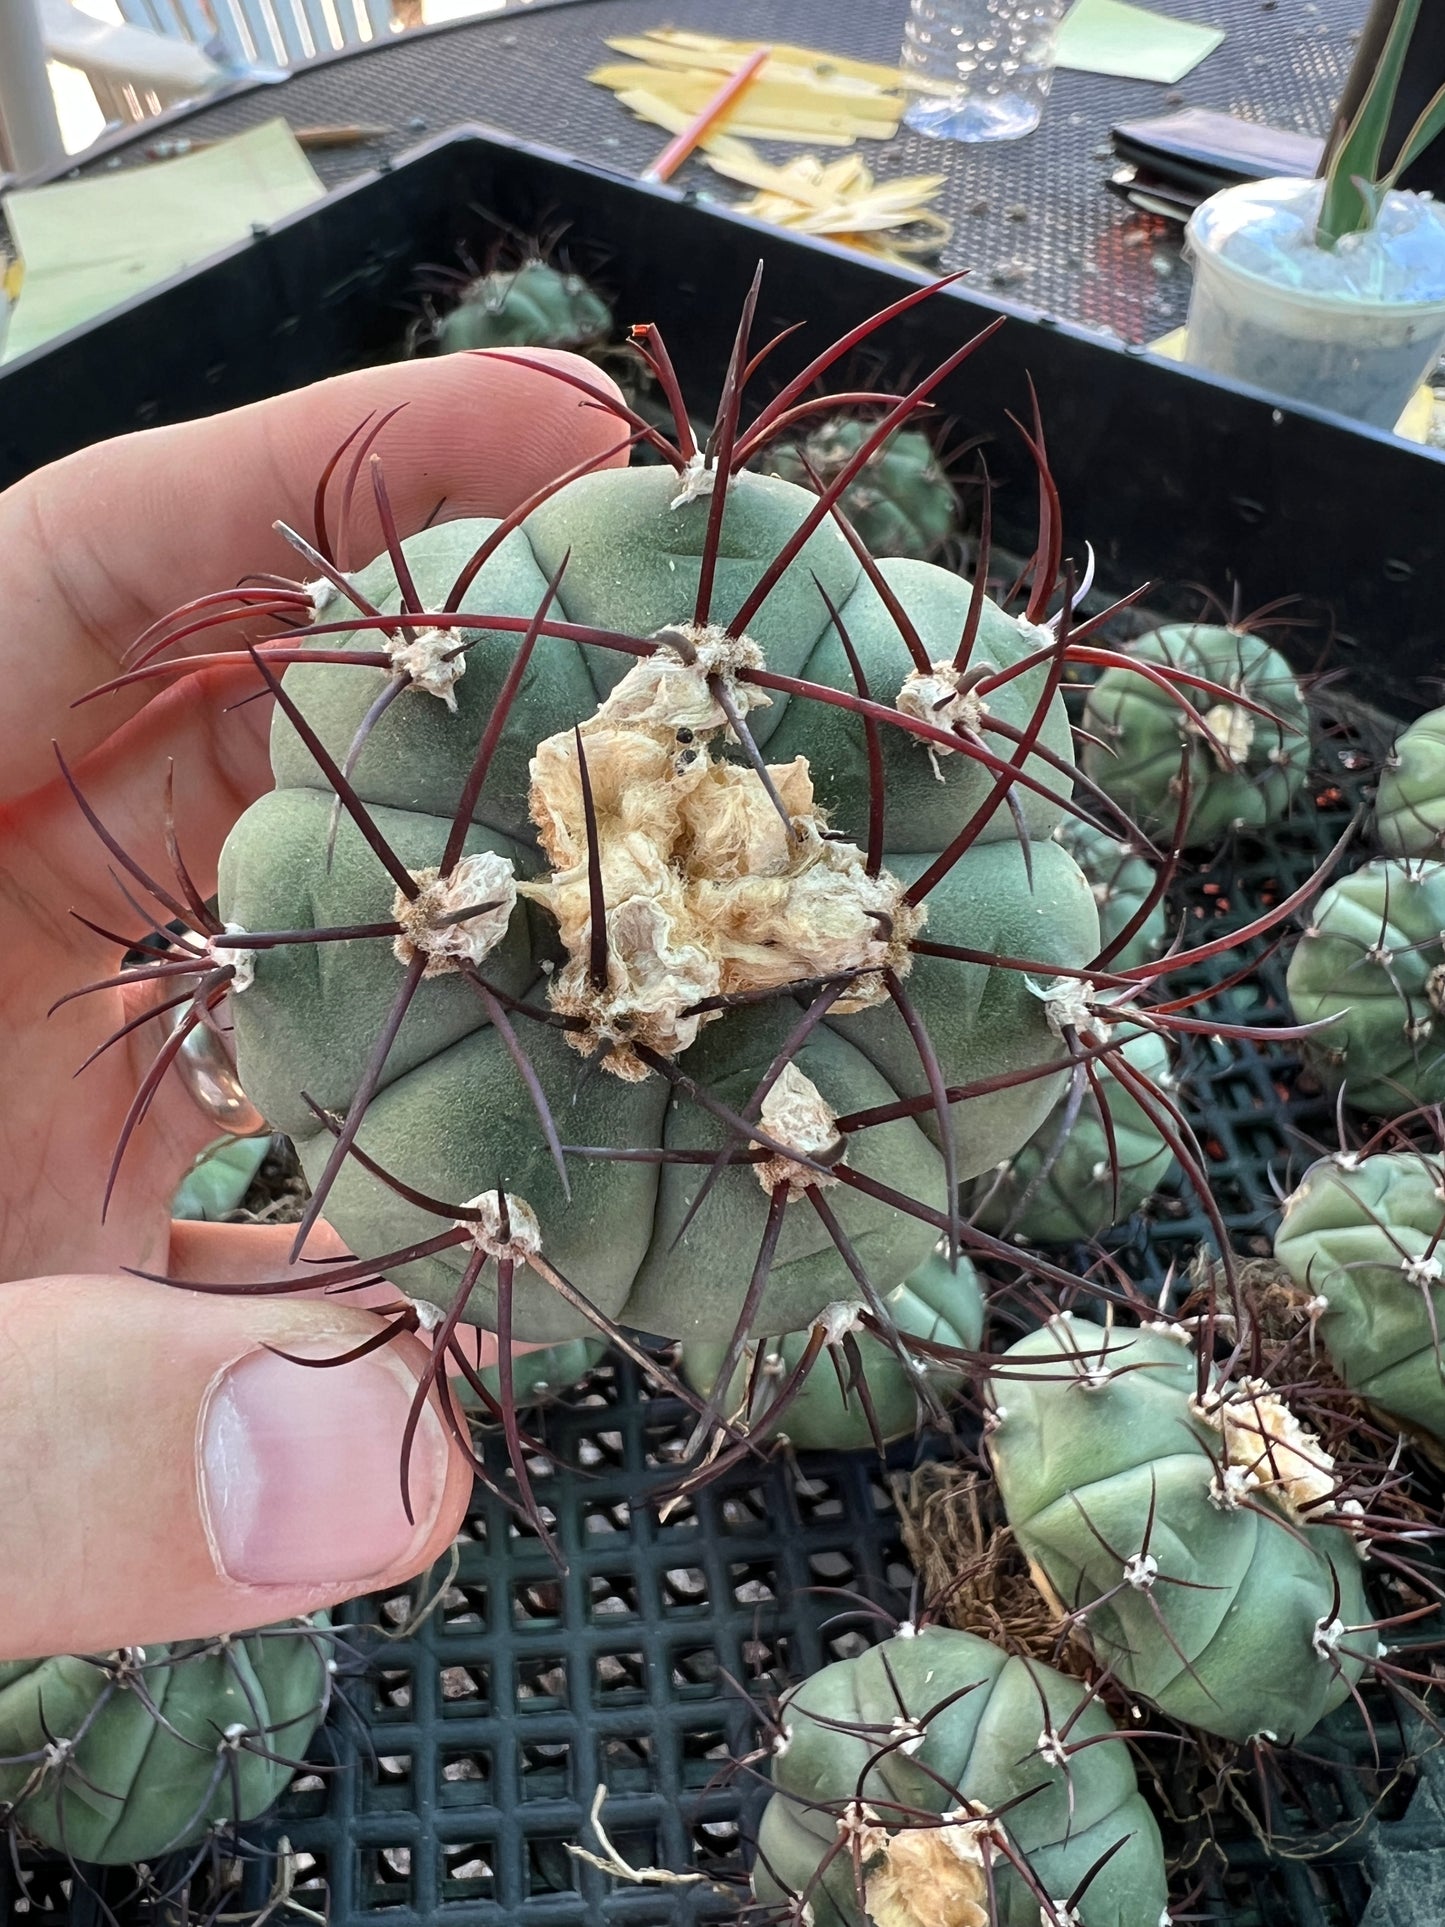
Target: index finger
<point x="100" y="545"/>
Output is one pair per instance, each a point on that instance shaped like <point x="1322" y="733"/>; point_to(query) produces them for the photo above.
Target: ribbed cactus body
<point x="1365" y="1237"/>
<point x="453" y="1116"/>
<point x="936" y="1303"/>
<point x="126" y="1756"/>
<point x="1410" y="799"/>
<point x="1122" y="882"/>
<point x="1193" y="1534"/>
<point x="901" y="502"/>
<point x="1242" y="774"/>
<point x="1078" y="1180"/>
<point x="940" y="1723"/>
<point x="534" y="306"/>
<point x="1371" y="962"/>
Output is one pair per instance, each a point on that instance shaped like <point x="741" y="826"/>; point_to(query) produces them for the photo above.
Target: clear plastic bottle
<point x="988" y="65"/>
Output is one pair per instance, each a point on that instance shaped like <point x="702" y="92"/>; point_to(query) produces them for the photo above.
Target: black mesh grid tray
<point x="471" y="1742"/>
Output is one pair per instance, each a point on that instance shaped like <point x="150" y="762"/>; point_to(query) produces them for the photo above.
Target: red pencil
<point x="681" y="145"/>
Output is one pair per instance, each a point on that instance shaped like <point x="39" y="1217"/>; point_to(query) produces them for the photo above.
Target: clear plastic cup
<point x="987" y="66"/>
<point x="1359" y="356"/>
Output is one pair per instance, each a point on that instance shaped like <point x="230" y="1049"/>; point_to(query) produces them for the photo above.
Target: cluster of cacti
<point x="667" y="919"/>
<point x="534" y="305"/>
<point x="1238" y="764"/>
<point x="1361" y="1237"/>
<point x="1190" y="1527"/>
<point x="879" y="1392"/>
<point x="1093" y="1161"/>
<point x="934" y="1779"/>
<point x="1370" y="967"/>
<point x="901" y="502"/>
<point x="126" y="1756"/>
<point x="1410" y="797"/>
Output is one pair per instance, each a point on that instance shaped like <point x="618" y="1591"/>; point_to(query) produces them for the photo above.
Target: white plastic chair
<point x="133" y="74"/>
<point x="249" y="34"/>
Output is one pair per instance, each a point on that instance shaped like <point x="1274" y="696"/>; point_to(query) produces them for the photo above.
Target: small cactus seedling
<point x="1095" y="1158"/>
<point x="1362" y="1239"/>
<point x="535" y="305"/>
<point x="874" y="1396"/>
<point x="133" y="1754"/>
<point x="901" y="502"/>
<point x="1370" y="967"/>
<point x="662" y="813"/>
<point x="1410" y="799"/>
<point x="1243" y="759"/>
<point x="935" y="1779"/>
<point x="1127" y="889"/>
<point x="1189" y="1527"/>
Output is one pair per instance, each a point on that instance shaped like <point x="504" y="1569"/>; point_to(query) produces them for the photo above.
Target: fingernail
<point x="300" y="1469"/>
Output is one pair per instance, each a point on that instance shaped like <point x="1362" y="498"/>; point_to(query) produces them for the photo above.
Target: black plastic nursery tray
<point x="471" y="1741"/>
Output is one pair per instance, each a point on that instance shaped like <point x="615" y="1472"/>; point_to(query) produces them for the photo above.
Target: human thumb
<point x="169" y="1475"/>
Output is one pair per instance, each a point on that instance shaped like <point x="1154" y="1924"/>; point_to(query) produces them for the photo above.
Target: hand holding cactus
<point x="125" y="1386"/>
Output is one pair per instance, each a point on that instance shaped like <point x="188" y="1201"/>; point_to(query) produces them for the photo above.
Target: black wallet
<point x="1175" y="161"/>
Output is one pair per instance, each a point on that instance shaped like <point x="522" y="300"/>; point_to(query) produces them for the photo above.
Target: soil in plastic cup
<point x="988" y="65"/>
<point x="1359" y="358"/>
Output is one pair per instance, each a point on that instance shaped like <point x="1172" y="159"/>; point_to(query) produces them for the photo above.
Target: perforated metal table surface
<point x="1031" y="217"/>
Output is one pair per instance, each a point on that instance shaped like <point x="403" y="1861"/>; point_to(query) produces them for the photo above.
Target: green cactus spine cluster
<point x="1188" y="1524"/>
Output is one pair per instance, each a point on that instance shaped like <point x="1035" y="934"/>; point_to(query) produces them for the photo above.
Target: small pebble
<point x="1161" y="265"/>
<point x="416" y="125"/>
<point x="1174" y="98"/>
<point x="1016" y="211"/>
<point x="1008" y="274"/>
<point x="978" y="207"/>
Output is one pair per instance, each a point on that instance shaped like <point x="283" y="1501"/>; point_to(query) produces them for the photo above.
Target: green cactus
<point x="1243" y="774"/>
<point x="129" y="1755"/>
<point x="1410" y="798"/>
<point x="533" y="306"/>
<point x="1362" y="1237"/>
<point x="220" y="1178"/>
<point x="1070" y="1181"/>
<point x="656" y="917"/>
<point x="1372" y="963"/>
<point x="1188" y="1533"/>
<point x="1122" y="882"/>
<point x="452" y="1115"/>
<point x="935" y="1303"/>
<point x="902" y="504"/>
<point x="902" y="1753"/>
<point x="540" y="1376"/>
